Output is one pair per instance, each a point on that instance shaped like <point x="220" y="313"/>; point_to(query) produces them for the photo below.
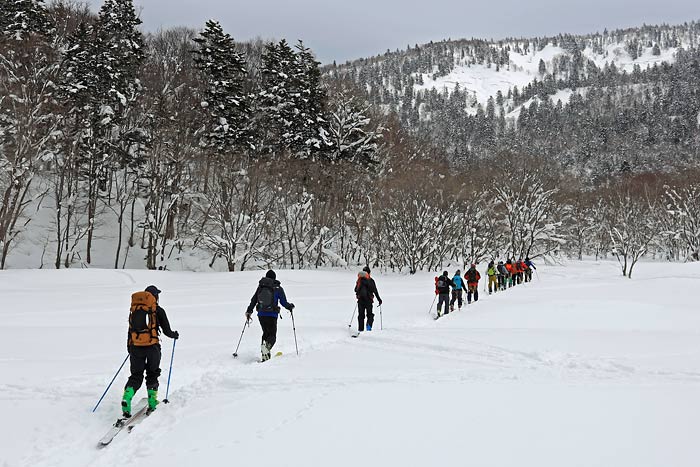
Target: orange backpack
<point x="143" y="327"/>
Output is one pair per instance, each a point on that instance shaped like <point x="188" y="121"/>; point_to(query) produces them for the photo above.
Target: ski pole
<point x="430" y="310"/>
<point x="170" y="372"/>
<point x="353" y="316"/>
<point x="110" y="383"/>
<point x="294" y="328"/>
<point x="247" y="323"/>
<point x="381" y="319"/>
<point x="538" y="276"/>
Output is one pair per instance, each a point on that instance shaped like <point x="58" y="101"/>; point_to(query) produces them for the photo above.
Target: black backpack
<point x="266" y="298"/>
<point x="471" y="275"/>
<point x="441" y="283"/>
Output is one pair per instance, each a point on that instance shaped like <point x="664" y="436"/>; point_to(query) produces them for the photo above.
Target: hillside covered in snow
<point x="599" y="103"/>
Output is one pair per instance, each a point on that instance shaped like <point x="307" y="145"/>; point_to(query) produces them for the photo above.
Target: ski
<point x="122" y="422"/>
<point x="278" y="354"/>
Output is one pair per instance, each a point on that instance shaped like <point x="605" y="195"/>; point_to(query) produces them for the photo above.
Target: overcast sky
<point x="348" y="29"/>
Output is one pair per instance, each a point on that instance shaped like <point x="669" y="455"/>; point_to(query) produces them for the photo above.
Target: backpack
<point x="441" y="283"/>
<point x="364" y="291"/>
<point x="471" y="276"/>
<point x="143" y="325"/>
<point x="266" y="298"/>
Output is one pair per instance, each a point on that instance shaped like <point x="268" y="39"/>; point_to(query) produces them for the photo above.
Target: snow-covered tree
<point x="225" y="101"/>
<point x="349" y="132"/>
<point x="27" y="120"/>
<point x="683" y="208"/>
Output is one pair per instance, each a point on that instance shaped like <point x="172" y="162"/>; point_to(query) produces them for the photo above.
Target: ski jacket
<point x="446" y="289"/>
<point x="473" y="277"/>
<point x="509" y="268"/>
<point x="366" y="289"/>
<point x="492" y="271"/>
<point x="163" y="325"/>
<point x="458" y="282"/>
<point x="523" y="266"/>
<point x="279" y="297"/>
<point x="530" y="264"/>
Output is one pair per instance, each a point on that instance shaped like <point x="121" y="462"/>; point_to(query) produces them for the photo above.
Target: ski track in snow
<point x="513" y="368"/>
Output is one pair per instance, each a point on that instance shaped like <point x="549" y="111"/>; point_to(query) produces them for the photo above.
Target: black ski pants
<point x="144" y="359"/>
<point x="269" y="329"/>
<point x="362" y="310"/>
<point x="456" y="297"/>
<point x="443" y="298"/>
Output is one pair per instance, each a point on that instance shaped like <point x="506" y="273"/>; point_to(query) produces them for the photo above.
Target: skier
<point x="493" y="277"/>
<point x="146" y="319"/>
<point x="511" y="272"/>
<point x="365" y="291"/>
<point x="502" y="275"/>
<point x="530" y="266"/>
<point x="266" y="300"/>
<point x="442" y="290"/>
<point x="473" y="277"/>
<point x="457" y="291"/>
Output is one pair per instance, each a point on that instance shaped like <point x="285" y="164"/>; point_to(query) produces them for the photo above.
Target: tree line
<point x="188" y="144"/>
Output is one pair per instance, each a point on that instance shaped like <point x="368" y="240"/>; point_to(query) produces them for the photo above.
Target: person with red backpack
<point x="442" y="290"/>
<point x="472" y="277"/>
<point x="146" y="320"/>
<point x="365" y="291"/>
<point x="266" y="300"/>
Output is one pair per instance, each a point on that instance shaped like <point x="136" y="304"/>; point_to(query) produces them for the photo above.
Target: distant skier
<point x="530" y="266"/>
<point x="365" y="291"/>
<point x="473" y="278"/>
<point x="511" y="272"/>
<point x="502" y="275"/>
<point x="457" y="290"/>
<point x="492" y="272"/>
<point x="442" y="290"/>
<point x="146" y="319"/>
<point x="266" y="300"/>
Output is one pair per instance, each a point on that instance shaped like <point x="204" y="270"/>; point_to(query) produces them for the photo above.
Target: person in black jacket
<point x="266" y="300"/>
<point x="145" y="353"/>
<point x="442" y="289"/>
<point x="365" y="291"/>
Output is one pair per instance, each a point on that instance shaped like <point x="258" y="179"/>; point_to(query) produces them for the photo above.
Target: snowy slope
<point x="483" y="81"/>
<point x="581" y="367"/>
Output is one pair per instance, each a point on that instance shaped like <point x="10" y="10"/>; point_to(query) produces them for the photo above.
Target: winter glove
<point x="290" y="307"/>
<point x="380" y="302"/>
<point x="248" y="314"/>
<point x="176" y="335"/>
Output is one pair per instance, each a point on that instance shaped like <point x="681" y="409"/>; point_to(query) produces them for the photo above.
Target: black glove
<point x="290" y="307"/>
<point x="176" y="335"/>
<point x="380" y="302"/>
<point x="248" y="314"/>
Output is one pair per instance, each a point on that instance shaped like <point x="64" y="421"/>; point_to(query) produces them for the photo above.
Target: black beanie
<point x="366" y="269"/>
<point x="271" y="274"/>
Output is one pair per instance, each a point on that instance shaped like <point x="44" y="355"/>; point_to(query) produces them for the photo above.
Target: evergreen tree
<point x="21" y="18"/>
<point x="224" y="73"/>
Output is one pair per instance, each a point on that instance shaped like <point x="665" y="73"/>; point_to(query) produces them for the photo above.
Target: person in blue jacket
<point x="266" y="300"/>
<point x="457" y="291"/>
<point x="528" y="272"/>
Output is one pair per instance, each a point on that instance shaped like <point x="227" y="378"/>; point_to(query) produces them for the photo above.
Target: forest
<point x="183" y="143"/>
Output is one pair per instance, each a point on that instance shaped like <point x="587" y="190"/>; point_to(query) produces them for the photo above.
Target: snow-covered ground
<point x="579" y="368"/>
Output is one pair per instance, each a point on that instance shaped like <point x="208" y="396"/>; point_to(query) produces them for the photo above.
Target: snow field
<point x="580" y="367"/>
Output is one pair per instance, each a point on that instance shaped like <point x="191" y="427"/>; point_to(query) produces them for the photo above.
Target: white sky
<point x="361" y="28"/>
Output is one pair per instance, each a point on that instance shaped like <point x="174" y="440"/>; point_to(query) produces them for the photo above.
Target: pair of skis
<point x="141" y="413"/>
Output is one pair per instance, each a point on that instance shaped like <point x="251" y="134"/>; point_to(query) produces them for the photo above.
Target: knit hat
<point x="271" y="274"/>
<point x="153" y="290"/>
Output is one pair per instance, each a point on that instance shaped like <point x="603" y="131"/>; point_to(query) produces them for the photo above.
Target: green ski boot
<point x="126" y="402"/>
<point x="152" y="399"/>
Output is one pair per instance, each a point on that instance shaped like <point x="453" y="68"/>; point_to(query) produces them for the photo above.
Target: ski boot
<point x="265" y="351"/>
<point x="368" y="327"/>
<point x="126" y="402"/>
<point x="152" y="400"/>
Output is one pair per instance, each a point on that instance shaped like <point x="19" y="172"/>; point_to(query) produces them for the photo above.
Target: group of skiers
<point x="147" y="318"/>
<point x="501" y="276"/>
